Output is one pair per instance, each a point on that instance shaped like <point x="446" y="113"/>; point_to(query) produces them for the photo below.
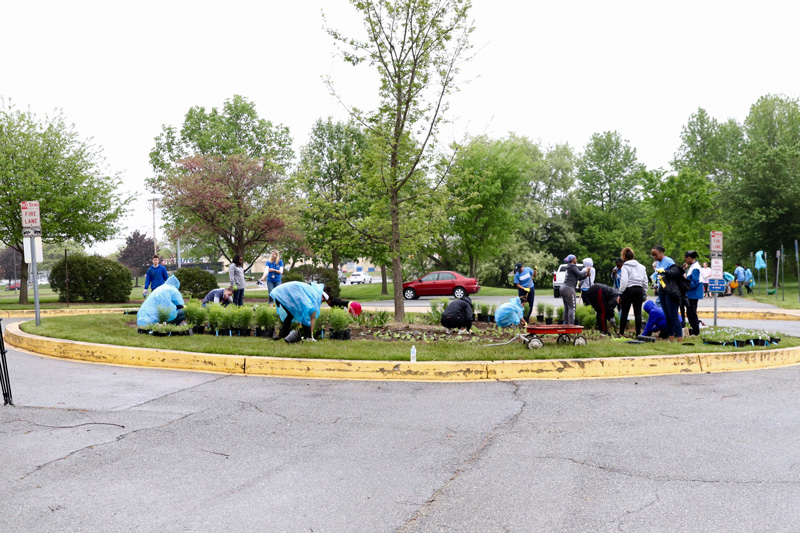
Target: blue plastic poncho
<point x="509" y="313"/>
<point x="728" y="276"/>
<point x="760" y="263"/>
<point x="300" y="299"/>
<point x="167" y="296"/>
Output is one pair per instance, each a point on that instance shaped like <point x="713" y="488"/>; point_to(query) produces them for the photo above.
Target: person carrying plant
<point x="298" y="302"/>
<point x="523" y="281"/>
<point x="156" y="276"/>
<point x="219" y="296"/>
<point x="354" y="308"/>
<point x="458" y="315"/>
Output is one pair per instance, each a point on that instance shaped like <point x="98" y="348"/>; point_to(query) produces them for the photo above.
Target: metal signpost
<point x="5" y="384"/>
<point x="716" y="283"/>
<point x="31" y="229"/>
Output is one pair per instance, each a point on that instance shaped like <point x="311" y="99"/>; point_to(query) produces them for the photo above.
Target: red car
<point x="14" y="285"/>
<point x="440" y="284"/>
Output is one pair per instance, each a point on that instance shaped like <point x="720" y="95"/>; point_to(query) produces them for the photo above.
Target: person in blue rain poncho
<point x="509" y="313"/>
<point x="298" y="302"/>
<point x="166" y="296"/>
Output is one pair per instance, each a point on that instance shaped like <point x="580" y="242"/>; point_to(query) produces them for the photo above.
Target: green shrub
<point x="266" y="317"/>
<point x="92" y="279"/>
<point x="163" y="314"/>
<point x="560" y="314"/>
<point x="323" y="320"/>
<point x="339" y="319"/>
<point x="242" y="317"/>
<point x="484" y="307"/>
<point x="292" y="275"/>
<point x="548" y="310"/>
<point x="587" y="317"/>
<point x="215" y="312"/>
<point x="540" y="308"/>
<point x="227" y="318"/>
<point x="195" y="282"/>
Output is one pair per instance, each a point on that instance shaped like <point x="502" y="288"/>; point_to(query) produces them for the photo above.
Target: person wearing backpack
<point x="633" y="290"/>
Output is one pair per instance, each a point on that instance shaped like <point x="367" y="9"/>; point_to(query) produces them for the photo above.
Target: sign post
<point x="32" y="231"/>
<point x="716" y="284"/>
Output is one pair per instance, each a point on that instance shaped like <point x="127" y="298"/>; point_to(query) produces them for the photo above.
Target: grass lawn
<point x="113" y="329"/>
<point x="788" y="296"/>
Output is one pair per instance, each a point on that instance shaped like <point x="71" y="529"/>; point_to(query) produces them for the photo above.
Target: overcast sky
<point x="552" y="71"/>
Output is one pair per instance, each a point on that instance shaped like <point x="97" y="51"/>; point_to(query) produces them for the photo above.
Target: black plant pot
<point x="198" y="330"/>
<point x="548" y="321"/>
<point x="760" y="342"/>
<point x="142" y="331"/>
<point x="739" y="344"/>
<point x="490" y="318"/>
<point x="713" y="343"/>
<point x="483" y="318"/>
<point x="245" y="332"/>
<point x="223" y="332"/>
<point x="319" y="334"/>
<point x="774" y="340"/>
<point x="340" y="335"/>
<point x="346" y="335"/>
<point x="267" y="333"/>
<point x="540" y="318"/>
<point x="160" y="334"/>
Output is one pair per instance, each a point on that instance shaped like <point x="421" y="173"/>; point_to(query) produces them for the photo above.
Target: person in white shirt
<point x="633" y="290"/>
<point x="705" y="275"/>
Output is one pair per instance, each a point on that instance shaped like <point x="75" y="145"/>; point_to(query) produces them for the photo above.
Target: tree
<point x="329" y="177"/>
<point x="683" y="209"/>
<point x="608" y="174"/>
<point x="137" y="254"/>
<point x="709" y="146"/>
<point x="45" y="160"/>
<point x="236" y="129"/>
<point x="416" y="46"/>
<point x="488" y="179"/>
<point x="236" y="203"/>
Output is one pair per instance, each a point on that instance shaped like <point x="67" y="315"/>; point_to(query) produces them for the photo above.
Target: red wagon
<point x="567" y="334"/>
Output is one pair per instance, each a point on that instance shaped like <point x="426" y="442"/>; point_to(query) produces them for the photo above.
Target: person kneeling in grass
<point x="656" y="321"/>
<point x="458" y="315"/>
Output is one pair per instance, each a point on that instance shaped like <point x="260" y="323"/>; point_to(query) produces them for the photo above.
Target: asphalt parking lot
<point x="105" y="448"/>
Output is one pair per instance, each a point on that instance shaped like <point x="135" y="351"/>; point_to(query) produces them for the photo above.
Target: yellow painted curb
<point x="612" y="367"/>
<point x="30" y="313"/>
<point x="749" y="315"/>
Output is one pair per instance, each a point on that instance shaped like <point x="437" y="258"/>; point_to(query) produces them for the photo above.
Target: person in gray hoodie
<point x="633" y="290"/>
<point x="567" y="289"/>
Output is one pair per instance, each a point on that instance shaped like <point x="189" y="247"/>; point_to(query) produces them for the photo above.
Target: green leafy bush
<point x="339" y="319"/>
<point x="242" y="317"/>
<point x="323" y="320"/>
<point x="163" y="314"/>
<point x="328" y="277"/>
<point x="548" y="310"/>
<point x="215" y="312"/>
<point x="266" y="317"/>
<point x="195" y="282"/>
<point x="92" y="279"/>
<point x="540" y="307"/>
<point x="292" y="275"/>
<point x="227" y="318"/>
<point x="560" y="314"/>
<point x="196" y="314"/>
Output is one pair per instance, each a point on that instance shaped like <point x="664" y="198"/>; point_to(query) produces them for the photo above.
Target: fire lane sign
<point x="30" y="215"/>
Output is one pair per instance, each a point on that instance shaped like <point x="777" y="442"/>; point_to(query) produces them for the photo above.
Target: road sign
<point x="716" y="268"/>
<point x="30" y="215"/>
<point x="716" y="285"/>
<point x="31" y="232"/>
<point x="716" y="241"/>
<point x="37" y="243"/>
<point x="715" y="255"/>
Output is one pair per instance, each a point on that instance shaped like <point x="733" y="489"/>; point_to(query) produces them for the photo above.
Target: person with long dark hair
<point x="236" y="274"/>
<point x="633" y="289"/>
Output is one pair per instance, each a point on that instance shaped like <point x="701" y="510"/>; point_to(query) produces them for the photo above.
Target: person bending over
<point x="604" y="300"/>
<point x="219" y="296"/>
<point x="458" y="315"/>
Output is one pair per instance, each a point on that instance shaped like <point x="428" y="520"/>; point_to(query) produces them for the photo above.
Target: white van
<point x="558" y="278"/>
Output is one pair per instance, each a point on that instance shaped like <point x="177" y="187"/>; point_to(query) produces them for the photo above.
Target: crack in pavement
<point x="667" y="479"/>
<point x="178" y="391"/>
<point x="484" y="445"/>
<point x="621" y="520"/>
<point x="98" y="444"/>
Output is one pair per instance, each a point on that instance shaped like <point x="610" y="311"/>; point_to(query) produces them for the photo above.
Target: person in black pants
<point x="604" y="300"/>
<point x="287" y="327"/>
<point x="633" y="288"/>
<point x="458" y="315"/>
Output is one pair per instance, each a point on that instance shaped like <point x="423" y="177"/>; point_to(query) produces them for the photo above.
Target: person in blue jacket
<point x="738" y="272"/>
<point x="695" y="292"/>
<point x="166" y="296"/>
<point x="298" y="302"/>
<point x="156" y="276"/>
<point x="656" y="320"/>
<point x="510" y="313"/>
<point x="523" y="281"/>
<point x="748" y="280"/>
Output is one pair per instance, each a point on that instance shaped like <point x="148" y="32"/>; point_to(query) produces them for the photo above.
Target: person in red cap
<point x="354" y="308"/>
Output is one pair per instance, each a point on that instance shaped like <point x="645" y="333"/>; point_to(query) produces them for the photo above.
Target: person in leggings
<point x="632" y="288"/>
<point x="695" y="292"/>
<point x="567" y="289"/>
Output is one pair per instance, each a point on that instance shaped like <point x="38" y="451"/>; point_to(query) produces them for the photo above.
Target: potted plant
<point x="492" y="307"/>
<point x="266" y="317"/>
<point x="242" y="319"/>
<point x="484" y="308"/>
<point x="196" y="316"/>
<point x="322" y="321"/>
<point x="169" y="330"/>
<point x="548" y="314"/>
<point x="339" y="320"/>
<point x="560" y="315"/>
<point x="163" y="314"/>
<point x="227" y="318"/>
<point x="540" y="307"/>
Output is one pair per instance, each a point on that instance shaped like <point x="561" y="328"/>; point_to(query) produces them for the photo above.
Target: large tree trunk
<point x="397" y="264"/>
<point x="473" y="266"/>
<point x="335" y="259"/>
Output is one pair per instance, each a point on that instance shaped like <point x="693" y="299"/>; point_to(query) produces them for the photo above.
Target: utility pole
<point x="155" y="245"/>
